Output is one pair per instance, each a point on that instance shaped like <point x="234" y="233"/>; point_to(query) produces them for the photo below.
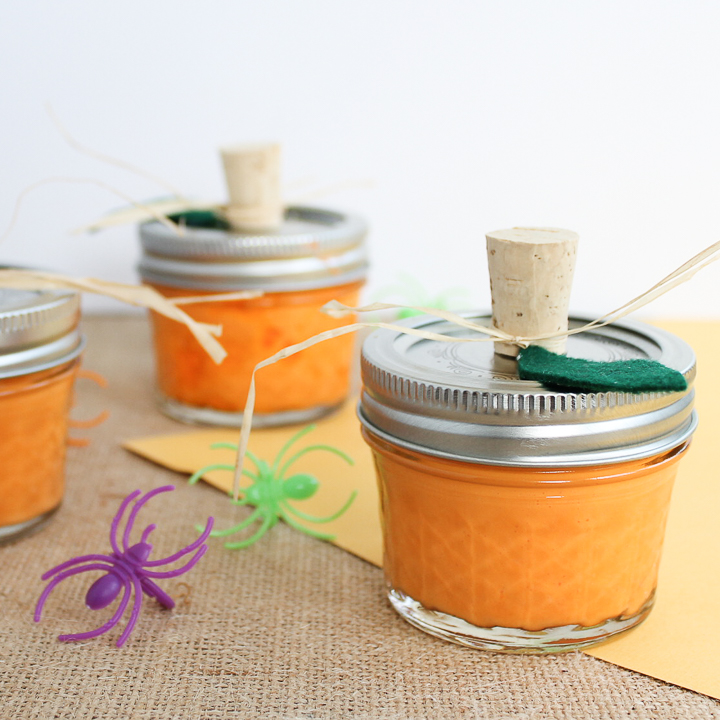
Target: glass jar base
<point x="512" y="640"/>
<point x="194" y="415"/>
<point x="10" y="533"/>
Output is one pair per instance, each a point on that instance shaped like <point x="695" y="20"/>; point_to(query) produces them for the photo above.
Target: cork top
<point x="534" y="235"/>
<point x="252" y="173"/>
<point x="531" y="271"/>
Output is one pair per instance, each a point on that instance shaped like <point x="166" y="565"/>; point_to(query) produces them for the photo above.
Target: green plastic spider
<point x="412" y="292"/>
<point x="271" y="490"/>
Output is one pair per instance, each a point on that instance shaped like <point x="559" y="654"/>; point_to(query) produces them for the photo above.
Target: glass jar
<point x="515" y="518"/>
<point x="40" y="346"/>
<point x="316" y="256"/>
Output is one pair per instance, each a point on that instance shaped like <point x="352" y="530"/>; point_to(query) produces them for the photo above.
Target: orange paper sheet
<point x="678" y="643"/>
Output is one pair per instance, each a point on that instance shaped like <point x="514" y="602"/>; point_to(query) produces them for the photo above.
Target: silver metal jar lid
<point x="461" y="401"/>
<point x="38" y="330"/>
<point x="312" y="249"/>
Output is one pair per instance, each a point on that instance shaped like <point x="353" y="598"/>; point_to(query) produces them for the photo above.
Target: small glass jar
<point x="514" y="518"/>
<point x="40" y="346"/>
<point x="316" y="256"/>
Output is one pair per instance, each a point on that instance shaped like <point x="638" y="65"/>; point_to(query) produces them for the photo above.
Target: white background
<point x="468" y="116"/>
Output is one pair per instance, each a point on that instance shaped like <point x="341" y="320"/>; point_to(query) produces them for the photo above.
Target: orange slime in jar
<point x="253" y="330"/>
<point x="517" y="517"/>
<point x="523" y="547"/>
<point x="33" y="429"/>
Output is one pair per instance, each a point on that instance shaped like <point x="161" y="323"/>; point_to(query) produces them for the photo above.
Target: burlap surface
<point x="291" y="628"/>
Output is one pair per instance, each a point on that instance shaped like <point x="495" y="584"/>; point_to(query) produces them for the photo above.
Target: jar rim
<point x="39" y="329"/>
<point x="466" y="404"/>
<point x="313" y="248"/>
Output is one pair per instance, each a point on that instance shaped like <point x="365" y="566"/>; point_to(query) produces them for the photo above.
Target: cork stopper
<point x="531" y="271"/>
<point x="252" y="173"/>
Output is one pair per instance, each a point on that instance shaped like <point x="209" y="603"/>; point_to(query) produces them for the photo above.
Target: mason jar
<point x="40" y="347"/>
<point x="516" y="518"/>
<point x="316" y="256"/>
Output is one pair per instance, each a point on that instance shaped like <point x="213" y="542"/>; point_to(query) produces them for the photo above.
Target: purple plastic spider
<point x="127" y="568"/>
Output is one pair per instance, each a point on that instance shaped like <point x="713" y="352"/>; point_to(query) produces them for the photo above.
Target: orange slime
<point x="520" y="547"/>
<point x="33" y="428"/>
<point x="253" y="330"/>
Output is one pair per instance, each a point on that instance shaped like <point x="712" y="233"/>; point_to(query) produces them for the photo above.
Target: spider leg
<point x="155" y="591"/>
<point x="147" y="532"/>
<point x="180" y="553"/>
<point x="306" y="530"/>
<point x="232" y="446"/>
<point x="199" y="528"/>
<point x="136" y="509"/>
<point x="240" y="526"/>
<point x="134" y="614"/>
<point x="310" y="448"/>
<point x="391" y="291"/>
<point x="287" y="445"/>
<point x="450" y="296"/>
<point x="59" y="578"/>
<point x="224" y="446"/>
<point x="118" y="517"/>
<point x="77" y="561"/>
<point x="72" y="637"/>
<point x="253" y="457"/>
<point x="244" y="501"/>
<point x="328" y="518"/>
<point x="179" y="571"/>
<point x="412" y="284"/>
<point x="268" y="522"/>
<point x="192" y="480"/>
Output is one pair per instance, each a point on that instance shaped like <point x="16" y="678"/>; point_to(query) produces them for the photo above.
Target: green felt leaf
<point x="207" y="219"/>
<point x="575" y="374"/>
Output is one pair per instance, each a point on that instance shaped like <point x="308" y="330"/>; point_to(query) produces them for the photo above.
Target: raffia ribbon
<point x="138" y="295"/>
